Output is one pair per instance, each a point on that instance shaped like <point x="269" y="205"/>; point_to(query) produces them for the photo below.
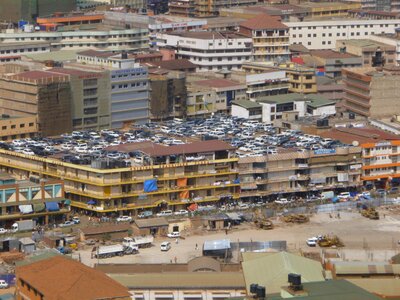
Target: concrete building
<point x="41" y="94"/>
<point x="90" y="99"/>
<point x="14" y="127"/>
<point x="301" y="79"/>
<point x="373" y="53"/>
<point x="270" y="38"/>
<point x="169" y="176"/>
<point x="16" y="10"/>
<point x="129" y="85"/>
<point x="62" y="277"/>
<point x="209" y="50"/>
<point x="210" y="8"/>
<point x="168" y="94"/>
<point x="330" y="63"/>
<point x="18" y="49"/>
<point x="247" y="109"/>
<point x="183" y="8"/>
<point x="324" y="34"/>
<point x="132" y="4"/>
<point x="390" y="39"/>
<point x="206" y="97"/>
<point x="372" y="92"/>
<point x="88" y="36"/>
<point x="31" y="198"/>
<point x="300" y="172"/>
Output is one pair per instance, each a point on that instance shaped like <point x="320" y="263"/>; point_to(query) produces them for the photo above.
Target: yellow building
<point x="329" y="9"/>
<point x="17" y="127"/>
<point x="180" y="175"/>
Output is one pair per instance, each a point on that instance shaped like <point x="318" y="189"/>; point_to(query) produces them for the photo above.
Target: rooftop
<point x="174" y="64"/>
<point x="330" y="54"/>
<point x="366" y="43"/>
<point x="314" y="100"/>
<point x="61" y="55"/>
<point x="246" y="104"/>
<point x="361" y="135"/>
<point x="371" y="71"/>
<point x="60" y="278"/>
<point x="263" y="21"/>
<point x="37" y="76"/>
<point x="218" y="83"/>
<point x="207" y="35"/>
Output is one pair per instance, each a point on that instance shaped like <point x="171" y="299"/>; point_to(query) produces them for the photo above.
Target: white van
<point x="3" y="284"/>
<point x="165" y="213"/>
<point x="165" y="246"/>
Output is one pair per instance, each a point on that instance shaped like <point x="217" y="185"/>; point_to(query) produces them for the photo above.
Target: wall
<point x="384" y="93"/>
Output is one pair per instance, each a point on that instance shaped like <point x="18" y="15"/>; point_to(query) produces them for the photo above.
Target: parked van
<point x="164" y="213"/>
<point x="165" y="246"/>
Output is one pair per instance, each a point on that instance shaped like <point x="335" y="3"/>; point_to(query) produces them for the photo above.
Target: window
<point x="90" y="111"/>
<point x="91" y="81"/>
<point x="89" y="101"/>
<point x="13" y="126"/>
<point x="30" y="124"/>
<point x="21" y="125"/>
<point x="4" y="127"/>
<point x="89" y="92"/>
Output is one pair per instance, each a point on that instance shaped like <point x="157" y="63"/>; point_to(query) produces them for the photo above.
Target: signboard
<point x="382" y="144"/>
<point x="324" y="151"/>
<point x="355" y="167"/>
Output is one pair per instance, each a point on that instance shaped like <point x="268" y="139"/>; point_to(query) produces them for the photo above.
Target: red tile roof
<point x="72" y="72"/>
<point x="60" y="278"/>
<point x="218" y="83"/>
<point x="175" y="64"/>
<point x="38" y="75"/>
<point x="361" y="135"/>
<point x="263" y="21"/>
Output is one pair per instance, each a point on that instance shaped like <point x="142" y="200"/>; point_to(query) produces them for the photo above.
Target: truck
<point x="24" y="225"/>
<point x="114" y="250"/>
<point x="140" y="241"/>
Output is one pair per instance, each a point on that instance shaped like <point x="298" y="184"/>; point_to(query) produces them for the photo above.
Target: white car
<point x="3" y="284"/>
<point x="28" y="151"/>
<point x="66" y="224"/>
<point x="282" y="201"/>
<point x="3" y="231"/>
<point x="312" y="242"/>
<point x="124" y="219"/>
<point x="243" y="206"/>
<point x="181" y="212"/>
<point x="165" y="213"/>
<point x="344" y="195"/>
<point x="174" y="234"/>
<point x="165" y="246"/>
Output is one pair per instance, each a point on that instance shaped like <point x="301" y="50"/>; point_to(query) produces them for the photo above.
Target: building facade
<point x="129" y="86"/>
<point x="270" y="38"/>
<point x="210" y="8"/>
<point x="324" y="34"/>
<point x="18" y="127"/>
<point x="211" y="51"/>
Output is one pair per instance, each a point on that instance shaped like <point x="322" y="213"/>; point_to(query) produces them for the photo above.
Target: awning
<point x="52" y="206"/>
<point x="38" y="207"/>
<point x="25" y="209"/>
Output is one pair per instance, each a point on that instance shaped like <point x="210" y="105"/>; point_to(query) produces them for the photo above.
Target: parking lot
<point x="100" y="148"/>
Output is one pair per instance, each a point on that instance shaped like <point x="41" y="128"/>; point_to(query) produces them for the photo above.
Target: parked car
<point x="282" y="201"/>
<point x="66" y="224"/>
<point x="394" y="190"/>
<point x="243" y="206"/>
<point x="181" y="212"/>
<point x="3" y="284"/>
<point x="312" y="242"/>
<point x="124" y="219"/>
<point x="165" y="246"/>
<point x="344" y="196"/>
<point x="3" y="230"/>
<point x="381" y="192"/>
<point x="164" y="213"/>
<point x="76" y="220"/>
<point x="145" y="214"/>
<point x="174" y="234"/>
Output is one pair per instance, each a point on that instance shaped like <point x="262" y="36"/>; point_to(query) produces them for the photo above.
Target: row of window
<point x="125" y="86"/>
<point x="15" y="126"/>
<point x="346" y="26"/>
<point x="81" y="37"/>
<point x="129" y="75"/>
<point x="103" y="45"/>
<point x="23" y="50"/>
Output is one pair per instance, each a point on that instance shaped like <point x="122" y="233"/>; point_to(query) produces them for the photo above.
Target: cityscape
<point x="199" y="149"/>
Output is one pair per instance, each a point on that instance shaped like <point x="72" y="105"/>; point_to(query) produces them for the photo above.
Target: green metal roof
<point x="271" y="270"/>
<point x="314" y="100"/>
<point x="62" y="55"/>
<point x="247" y="104"/>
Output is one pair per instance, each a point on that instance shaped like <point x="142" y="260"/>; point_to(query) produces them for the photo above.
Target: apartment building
<point x="270" y="38"/>
<point x="373" y="53"/>
<point x="210" y="8"/>
<point x="390" y="39"/>
<point x="211" y="51"/>
<point x="183" y="8"/>
<point x="168" y="176"/>
<point x="14" y="127"/>
<point x="380" y="163"/>
<point x="18" y="49"/>
<point x="31" y="198"/>
<point x="300" y="172"/>
<point x="324" y="34"/>
<point x="372" y="92"/>
<point x="90" y="99"/>
<point x="129" y="85"/>
<point x="301" y="79"/>
<point x="41" y="94"/>
<point x="206" y="97"/>
<point x="94" y="36"/>
<point x="268" y="83"/>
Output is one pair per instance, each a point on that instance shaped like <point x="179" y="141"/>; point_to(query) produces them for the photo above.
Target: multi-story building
<point x="210" y="8"/>
<point x="372" y="92"/>
<point x="206" y="97"/>
<point x="380" y="162"/>
<point x="90" y="98"/>
<point x="132" y="4"/>
<point x="41" y="94"/>
<point x="269" y="82"/>
<point x="168" y="94"/>
<point x="301" y="79"/>
<point x="14" y="127"/>
<point x="373" y="53"/>
<point x="300" y="172"/>
<point x="324" y="34"/>
<point x="42" y="200"/>
<point x="209" y="50"/>
<point x="390" y="39"/>
<point x="174" y="176"/>
<point x="270" y="38"/>
<point x="100" y="37"/>
<point x="18" y="49"/>
<point x="184" y="8"/>
<point x="129" y="101"/>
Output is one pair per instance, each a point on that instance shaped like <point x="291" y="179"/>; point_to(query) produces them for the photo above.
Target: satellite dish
<point x="355" y="143"/>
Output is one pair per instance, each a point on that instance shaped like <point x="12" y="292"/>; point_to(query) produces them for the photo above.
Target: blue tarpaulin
<point x="52" y="206"/>
<point x="236" y="181"/>
<point x="150" y="185"/>
<point x="91" y="202"/>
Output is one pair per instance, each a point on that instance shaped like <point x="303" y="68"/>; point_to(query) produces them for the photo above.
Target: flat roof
<point x="246" y="104"/>
<point x="151" y="222"/>
<point x="365" y="43"/>
<point x="61" y="55"/>
<point x="182" y="280"/>
<point x="206" y="35"/>
<point x="327" y="53"/>
<point x="361" y="135"/>
<point x="37" y="75"/>
<point x="218" y="83"/>
<point x="314" y="100"/>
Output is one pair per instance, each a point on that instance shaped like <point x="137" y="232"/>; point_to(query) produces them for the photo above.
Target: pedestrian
<point x="196" y="247"/>
<point x="175" y="259"/>
<point x="170" y="261"/>
<point x="226" y="231"/>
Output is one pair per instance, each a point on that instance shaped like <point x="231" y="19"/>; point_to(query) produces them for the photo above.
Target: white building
<point x="209" y="50"/>
<point x="324" y="34"/>
<point x="103" y="39"/>
<point x="129" y="86"/>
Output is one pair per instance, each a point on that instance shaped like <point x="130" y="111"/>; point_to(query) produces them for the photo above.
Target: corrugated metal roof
<point x="361" y="267"/>
<point x="217" y="245"/>
<point x="151" y="222"/>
